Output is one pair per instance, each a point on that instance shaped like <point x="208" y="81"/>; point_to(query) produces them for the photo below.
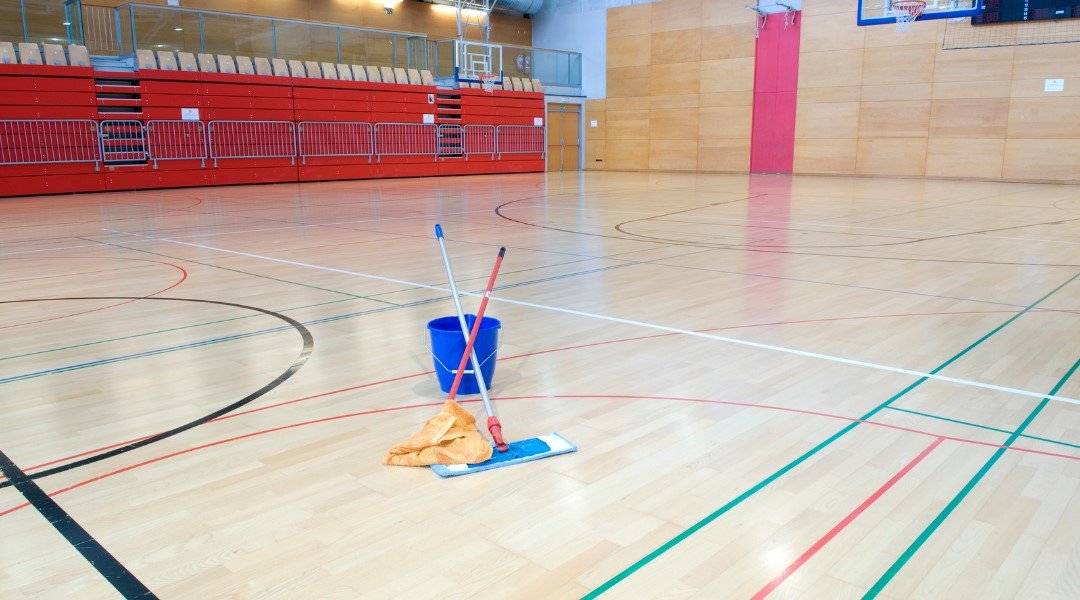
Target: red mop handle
<point x="475" y="331"/>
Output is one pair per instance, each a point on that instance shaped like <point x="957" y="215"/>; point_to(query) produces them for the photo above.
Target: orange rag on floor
<point x="448" y="438"/>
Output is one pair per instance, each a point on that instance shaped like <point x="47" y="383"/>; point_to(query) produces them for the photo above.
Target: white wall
<point x="579" y="26"/>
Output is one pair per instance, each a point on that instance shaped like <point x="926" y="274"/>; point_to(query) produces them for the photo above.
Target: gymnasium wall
<point x="680" y="81"/>
<point x="410" y="15"/>
<point x="872" y="101"/>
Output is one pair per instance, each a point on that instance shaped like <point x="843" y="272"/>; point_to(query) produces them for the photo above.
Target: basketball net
<point x="487" y="81"/>
<point x="906" y="11"/>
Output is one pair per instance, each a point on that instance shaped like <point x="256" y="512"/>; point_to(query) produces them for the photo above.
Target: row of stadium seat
<point x="166" y="60"/>
<point x="31" y="54"/>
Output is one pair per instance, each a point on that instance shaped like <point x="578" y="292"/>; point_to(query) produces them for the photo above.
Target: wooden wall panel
<point x="980" y="158"/>
<point x="924" y="111"/>
<point x="891" y="156"/>
<point x="825" y="156"/>
<point x="595" y="137"/>
<point x="1050" y="160"/>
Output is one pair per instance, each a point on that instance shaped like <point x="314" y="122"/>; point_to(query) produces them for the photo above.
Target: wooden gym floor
<point x="800" y="387"/>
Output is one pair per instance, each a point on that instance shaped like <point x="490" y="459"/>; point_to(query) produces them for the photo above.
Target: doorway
<point x="564" y="137"/>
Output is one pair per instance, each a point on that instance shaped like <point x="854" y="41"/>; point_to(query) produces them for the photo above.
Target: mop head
<point x="447" y="438"/>
<point x="519" y="452"/>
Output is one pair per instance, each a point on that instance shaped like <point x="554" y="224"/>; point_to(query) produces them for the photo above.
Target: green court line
<point x="963" y="493"/>
<point x="716" y="514"/>
<point x="981" y="426"/>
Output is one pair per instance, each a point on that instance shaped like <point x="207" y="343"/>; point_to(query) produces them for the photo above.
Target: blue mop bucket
<point x="447" y="346"/>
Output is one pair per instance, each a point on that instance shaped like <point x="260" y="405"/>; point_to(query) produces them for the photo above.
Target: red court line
<point x="183" y="277"/>
<point x="825" y="539"/>
<point x="517" y="356"/>
<point x="543" y="397"/>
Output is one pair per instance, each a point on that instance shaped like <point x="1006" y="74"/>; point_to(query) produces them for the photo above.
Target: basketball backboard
<point x="880" y="12"/>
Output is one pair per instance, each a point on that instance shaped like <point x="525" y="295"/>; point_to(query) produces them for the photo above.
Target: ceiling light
<point x="67" y="23"/>
<point x="178" y="29"/>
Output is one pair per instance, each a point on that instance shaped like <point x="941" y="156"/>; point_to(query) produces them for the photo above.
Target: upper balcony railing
<point x="119" y="31"/>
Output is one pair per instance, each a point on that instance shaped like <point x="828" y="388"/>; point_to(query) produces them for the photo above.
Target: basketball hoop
<point x="487" y="81"/>
<point x="906" y="11"/>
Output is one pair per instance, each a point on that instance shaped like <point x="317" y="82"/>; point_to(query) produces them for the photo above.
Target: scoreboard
<point x="1011" y="11"/>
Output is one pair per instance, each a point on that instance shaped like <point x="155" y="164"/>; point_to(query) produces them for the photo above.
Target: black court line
<point x="115" y="573"/>
<point x="305" y="352"/>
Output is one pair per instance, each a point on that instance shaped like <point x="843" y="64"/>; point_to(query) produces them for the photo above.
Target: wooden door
<point x="564" y="137"/>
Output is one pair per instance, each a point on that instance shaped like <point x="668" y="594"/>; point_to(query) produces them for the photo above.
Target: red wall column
<point x="776" y="79"/>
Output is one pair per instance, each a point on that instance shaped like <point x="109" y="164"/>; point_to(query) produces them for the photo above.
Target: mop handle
<point x="464" y="325"/>
<point x="469" y="353"/>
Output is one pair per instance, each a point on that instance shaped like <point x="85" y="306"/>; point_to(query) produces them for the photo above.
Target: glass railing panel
<point x="162" y="30"/>
<point x="237" y="35"/>
<point x="43" y="19"/>
<point x="306" y="41"/>
<point x="11" y="22"/>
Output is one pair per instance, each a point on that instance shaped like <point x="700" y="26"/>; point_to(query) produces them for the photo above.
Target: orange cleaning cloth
<point x="448" y="438"/>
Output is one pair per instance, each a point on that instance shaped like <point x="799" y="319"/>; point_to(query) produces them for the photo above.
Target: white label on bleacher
<point x="189" y="114"/>
<point x="429" y="118"/>
<point x="538" y="121"/>
<point x="1054" y="85"/>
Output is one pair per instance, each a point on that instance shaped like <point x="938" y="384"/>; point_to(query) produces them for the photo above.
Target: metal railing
<point x="99" y="30"/>
<point x="122" y="141"/>
<point x="406" y="139"/>
<point x="176" y="140"/>
<point x="27" y="142"/>
<point x="520" y="139"/>
<point x="30" y="142"/>
<point x="451" y="140"/>
<point x="327" y="138"/>
<point x="480" y="139"/>
<point x="251" y="139"/>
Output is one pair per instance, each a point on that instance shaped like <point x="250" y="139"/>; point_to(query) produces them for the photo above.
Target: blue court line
<point x="229" y="338"/>
<point x="903" y="559"/>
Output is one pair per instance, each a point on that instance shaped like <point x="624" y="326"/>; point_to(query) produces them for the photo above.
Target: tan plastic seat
<point x="537" y="86"/>
<point x="329" y="70"/>
<point x="262" y="66"/>
<point x="387" y="74"/>
<point x="207" y="64"/>
<point x="359" y="73"/>
<point x="281" y="68"/>
<point x="344" y="73"/>
<point x="515" y="84"/>
<point x="373" y="73"/>
<point x="54" y="55"/>
<point x="414" y="77"/>
<point x="29" y="54"/>
<point x="187" y="61"/>
<point x="400" y="76"/>
<point x="296" y="69"/>
<point x="167" y="60"/>
<point x="145" y="59"/>
<point x="426" y="77"/>
<point x="313" y="70"/>
<point x="78" y="56"/>
<point x="7" y="54"/>
<point x="526" y="84"/>
<point x="244" y="66"/>
<point x="226" y="64"/>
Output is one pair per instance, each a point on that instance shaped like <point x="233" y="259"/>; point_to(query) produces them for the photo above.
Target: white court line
<point x="658" y="327"/>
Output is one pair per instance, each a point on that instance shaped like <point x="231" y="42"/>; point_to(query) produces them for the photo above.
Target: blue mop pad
<point x="519" y="452"/>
